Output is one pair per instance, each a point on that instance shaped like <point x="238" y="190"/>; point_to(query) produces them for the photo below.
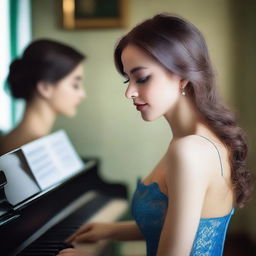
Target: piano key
<point x="37" y="254"/>
<point x="50" y="245"/>
<point x="41" y="212"/>
<point x="45" y="250"/>
<point x="110" y="213"/>
<point x="65" y="228"/>
<point x="42" y="250"/>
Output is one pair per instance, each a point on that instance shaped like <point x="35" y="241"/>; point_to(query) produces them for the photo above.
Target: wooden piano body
<point x="39" y="225"/>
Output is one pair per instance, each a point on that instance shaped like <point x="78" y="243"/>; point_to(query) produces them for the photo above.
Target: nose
<point x="131" y="92"/>
<point x="83" y="94"/>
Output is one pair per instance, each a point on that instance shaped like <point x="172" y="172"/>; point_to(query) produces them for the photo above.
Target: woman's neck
<point x="184" y="119"/>
<point x="38" y="118"/>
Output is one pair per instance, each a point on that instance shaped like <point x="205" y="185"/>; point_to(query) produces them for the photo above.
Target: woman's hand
<point x="91" y="232"/>
<point x="72" y="252"/>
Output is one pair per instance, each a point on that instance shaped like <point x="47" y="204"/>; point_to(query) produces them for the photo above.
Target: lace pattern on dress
<point x="149" y="206"/>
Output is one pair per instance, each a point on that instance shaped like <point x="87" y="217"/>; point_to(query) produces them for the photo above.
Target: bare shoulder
<point x="191" y="155"/>
<point x="13" y="140"/>
<point x="4" y="143"/>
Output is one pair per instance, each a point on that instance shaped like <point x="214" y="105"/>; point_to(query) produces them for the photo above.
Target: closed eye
<point x="76" y="86"/>
<point x="142" y="80"/>
<point x="126" y="81"/>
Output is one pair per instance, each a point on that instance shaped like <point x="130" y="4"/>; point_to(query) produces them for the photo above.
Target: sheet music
<point x="39" y="165"/>
<point x="52" y="159"/>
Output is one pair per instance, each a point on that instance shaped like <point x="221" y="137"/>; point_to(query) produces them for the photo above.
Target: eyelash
<point x="142" y="80"/>
<point x="139" y="81"/>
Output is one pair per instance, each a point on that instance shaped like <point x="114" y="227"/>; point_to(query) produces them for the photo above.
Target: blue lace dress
<point x="149" y="206"/>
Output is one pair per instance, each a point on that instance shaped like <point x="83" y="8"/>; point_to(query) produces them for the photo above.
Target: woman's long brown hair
<point x="180" y="47"/>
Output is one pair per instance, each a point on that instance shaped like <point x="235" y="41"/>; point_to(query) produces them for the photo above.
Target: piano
<point x="39" y="225"/>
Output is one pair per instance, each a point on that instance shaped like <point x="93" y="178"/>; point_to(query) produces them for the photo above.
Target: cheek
<point x="167" y="99"/>
<point x="66" y="95"/>
<point x="64" y="107"/>
<point x="166" y="94"/>
<point x="61" y="97"/>
<point x="172" y="97"/>
<point x="63" y="102"/>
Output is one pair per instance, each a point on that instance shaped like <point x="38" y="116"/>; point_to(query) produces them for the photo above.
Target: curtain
<point x="15" y="30"/>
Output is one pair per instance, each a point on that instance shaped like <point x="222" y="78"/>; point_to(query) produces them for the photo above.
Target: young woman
<point x="183" y="207"/>
<point x="49" y="78"/>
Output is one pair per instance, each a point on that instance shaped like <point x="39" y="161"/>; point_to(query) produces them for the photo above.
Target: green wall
<point x="244" y="86"/>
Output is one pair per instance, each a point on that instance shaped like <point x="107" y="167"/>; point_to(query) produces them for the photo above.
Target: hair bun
<point x="18" y="75"/>
<point x="43" y="60"/>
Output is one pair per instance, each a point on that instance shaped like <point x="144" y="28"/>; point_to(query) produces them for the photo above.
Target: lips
<point x="140" y="107"/>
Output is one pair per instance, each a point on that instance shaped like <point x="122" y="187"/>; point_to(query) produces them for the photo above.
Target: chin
<point x="148" y="119"/>
<point x="69" y="113"/>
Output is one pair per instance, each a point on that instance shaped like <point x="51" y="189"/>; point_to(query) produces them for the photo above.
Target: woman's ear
<point x="44" y="89"/>
<point x="183" y="84"/>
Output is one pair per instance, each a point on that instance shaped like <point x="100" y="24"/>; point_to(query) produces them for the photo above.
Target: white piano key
<point x="112" y="212"/>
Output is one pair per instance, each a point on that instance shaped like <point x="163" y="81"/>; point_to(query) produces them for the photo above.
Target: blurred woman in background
<point x="48" y="77"/>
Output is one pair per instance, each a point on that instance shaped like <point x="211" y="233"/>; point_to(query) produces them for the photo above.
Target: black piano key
<point x="45" y="250"/>
<point x="37" y="254"/>
<point x="58" y="245"/>
<point x="51" y="242"/>
<point x="48" y="245"/>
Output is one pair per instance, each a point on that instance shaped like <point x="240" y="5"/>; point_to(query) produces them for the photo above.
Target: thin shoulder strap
<point x="217" y="151"/>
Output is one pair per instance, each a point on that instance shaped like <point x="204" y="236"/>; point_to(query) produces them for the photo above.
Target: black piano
<point x="39" y="225"/>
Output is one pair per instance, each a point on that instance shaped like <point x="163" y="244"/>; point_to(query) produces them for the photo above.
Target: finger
<point x="88" y="238"/>
<point x="66" y="251"/>
<point x="70" y="239"/>
<point x="67" y="254"/>
<point x="79" y="231"/>
<point x="72" y="252"/>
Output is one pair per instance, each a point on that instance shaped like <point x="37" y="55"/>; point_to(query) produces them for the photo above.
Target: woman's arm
<point x="91" y="232"/>
<point x="126" y="231"/>
<point x="187" y="181"/>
